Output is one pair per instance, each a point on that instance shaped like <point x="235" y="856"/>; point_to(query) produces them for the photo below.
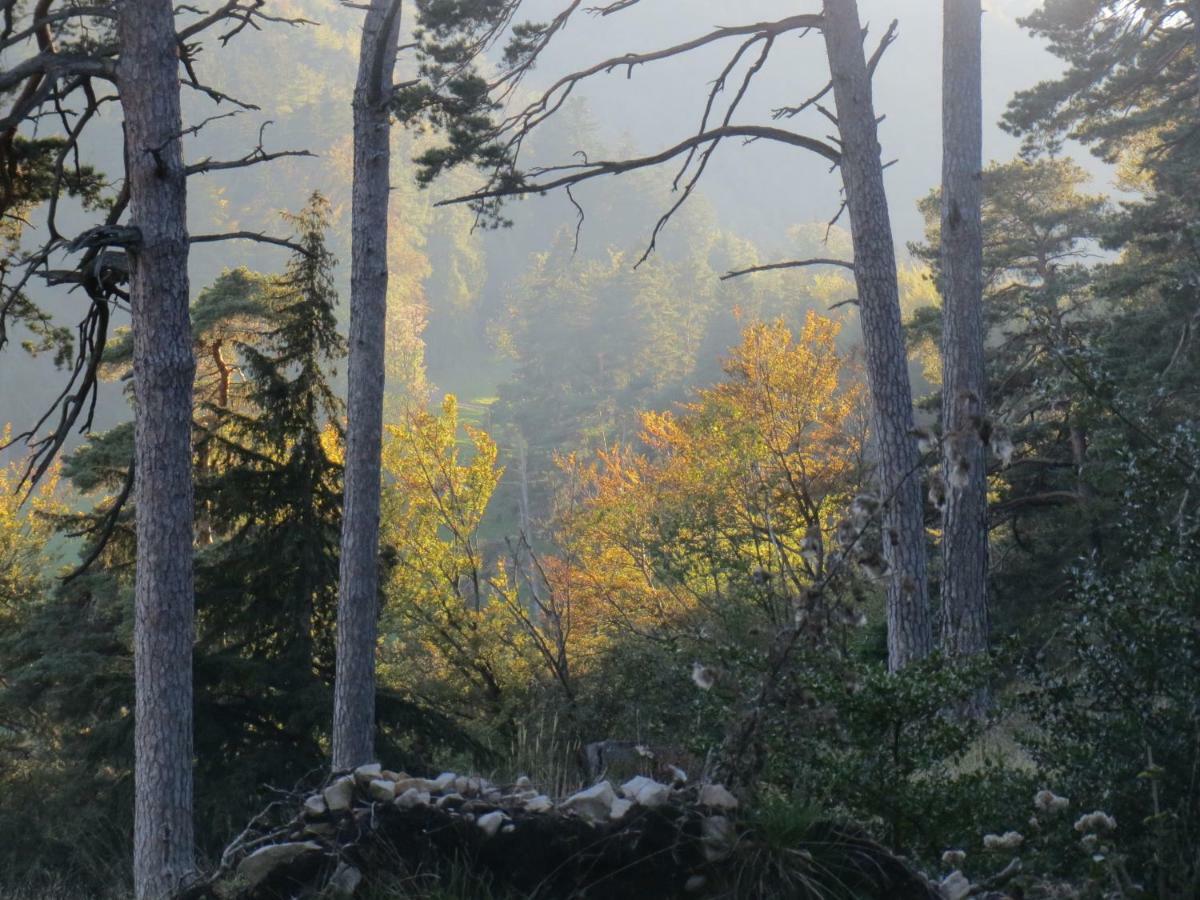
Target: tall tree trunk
<point x="910" y="633"/>
<point x="964" y="623"/>
<point x="354" y="688"/>
<point x="163" y="369"/>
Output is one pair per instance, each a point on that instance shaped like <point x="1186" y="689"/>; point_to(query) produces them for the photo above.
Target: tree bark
<point x="354" y="688"/>
<point x="910" y="633"/>
<point x="964" y="625"/>
<point x="163" y="369"/>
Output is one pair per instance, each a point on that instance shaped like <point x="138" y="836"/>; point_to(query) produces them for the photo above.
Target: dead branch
<point x="247" y="236"/>
<point x="790" y="264"/>
<point x="580" y="172"/>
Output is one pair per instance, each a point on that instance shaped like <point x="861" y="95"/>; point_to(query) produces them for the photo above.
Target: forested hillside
<point x="509" y="448"/>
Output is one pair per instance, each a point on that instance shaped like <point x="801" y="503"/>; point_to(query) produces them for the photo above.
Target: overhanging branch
<point x="247" y="236"/>
<point x="789" y="264"/>
<point x="580" y="172"/>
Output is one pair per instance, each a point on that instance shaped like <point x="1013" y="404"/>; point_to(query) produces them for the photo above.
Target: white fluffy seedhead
<point x="937" y="491"/>
<point x="704" y="677"/>
<point x="1002" y="447"/>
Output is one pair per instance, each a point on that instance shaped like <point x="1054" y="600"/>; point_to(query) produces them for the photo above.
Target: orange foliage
<point x="724" y="491"/>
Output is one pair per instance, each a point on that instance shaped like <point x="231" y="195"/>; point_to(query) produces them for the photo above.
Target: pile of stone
<point x="641" y="838"/>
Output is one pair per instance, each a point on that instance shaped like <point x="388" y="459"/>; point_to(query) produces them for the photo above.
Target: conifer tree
<point x="964" y="623"/>
<point x="267" y="585"/>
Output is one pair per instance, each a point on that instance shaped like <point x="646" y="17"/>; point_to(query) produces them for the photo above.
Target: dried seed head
<point x="960" y="474"/>
<point x="927" y="441"/>
<point x="1002" y="447"/>
<point x="937" y="491"/>
<point x="704" y="677"/>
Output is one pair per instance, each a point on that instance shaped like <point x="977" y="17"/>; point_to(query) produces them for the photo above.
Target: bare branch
<point x="557" y="93"/>
<point x="57" y="65"/>
<point x="257" y="156"/>
<point x="62" y="15"/>
<point x="105" y="529"/>
<point x="790" y="264"/>
<point x="889" y="38"/>
<point x="579" y="172"/>
<point x="247" y="236"/>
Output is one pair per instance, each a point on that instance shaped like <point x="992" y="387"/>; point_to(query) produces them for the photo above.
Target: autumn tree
<point x="731" y="531"/>
<point x="856" y="154"/>
<point x="454" y="640"/>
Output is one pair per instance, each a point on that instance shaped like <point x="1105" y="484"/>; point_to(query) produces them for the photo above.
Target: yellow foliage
<point x="449" y="624"/>
<point x="25" y="530"/>
<point x="731" y="482"/>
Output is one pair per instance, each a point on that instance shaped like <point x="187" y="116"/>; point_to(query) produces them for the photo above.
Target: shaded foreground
<point x="644" y="839"/>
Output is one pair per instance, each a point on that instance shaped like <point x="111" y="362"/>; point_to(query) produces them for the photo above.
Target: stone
<point x="954" y="886"/>
<point x="717" y="836"/>
<point x="619" y="808"/>
<point x="716" y="796"/>
<point x="421" y="784"/>
<point x="678" y="776"/>
<point x="314" y="807"/>
<point x="411" y="798"/>
<point x="443" y="782"/>
<point x="339" y="795"/>
<point x="320" y="829"/>
<point x="489" y="823"/>
<point x="265" y="860"/>
<point x="345" y="881"/>
<point x="593" y="804"/>
<point x="539" y="804"/>
<point x="365" y="774"/>
<point x="450" y="801"/>
<point x="695" y="884"/>
<point x="393" y="776"/>
<point x="470" y="786"/>
<point x="646" y="791"/>
<point x="382" y="790"/>
<point x="524" y="784"/>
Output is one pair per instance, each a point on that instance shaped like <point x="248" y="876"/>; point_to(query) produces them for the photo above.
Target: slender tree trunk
<point x="163" y="369"/>
<point x="910" y="634"/>
<point x="354" y="688"/>
<point x="964" y="623"/>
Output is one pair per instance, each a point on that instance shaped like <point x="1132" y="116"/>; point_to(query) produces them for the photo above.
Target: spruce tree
<point x="267" y="585"/>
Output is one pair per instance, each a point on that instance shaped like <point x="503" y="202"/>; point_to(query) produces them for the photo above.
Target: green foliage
<point x="1115" y="701"/>
<point x="268" y="495"/>
<point x="452" y="98"/>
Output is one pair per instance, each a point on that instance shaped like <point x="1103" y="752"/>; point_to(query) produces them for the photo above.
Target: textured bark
<point x="163" y="368"/>
<point x="964" y="626"/>
<point x="354" y="689"/>
<point x="910" y="634"/>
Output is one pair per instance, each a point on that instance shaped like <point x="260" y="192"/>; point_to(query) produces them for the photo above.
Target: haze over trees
<point x="721" y="499"/>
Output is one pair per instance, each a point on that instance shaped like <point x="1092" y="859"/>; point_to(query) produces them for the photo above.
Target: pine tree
<point x="163" y="370"/>
<point x="266" y="586"/>
<point x="964" y="628"/>
<point x="354" y="703"/>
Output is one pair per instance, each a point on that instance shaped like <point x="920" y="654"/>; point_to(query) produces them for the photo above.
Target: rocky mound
<point x="643" y="839"/>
